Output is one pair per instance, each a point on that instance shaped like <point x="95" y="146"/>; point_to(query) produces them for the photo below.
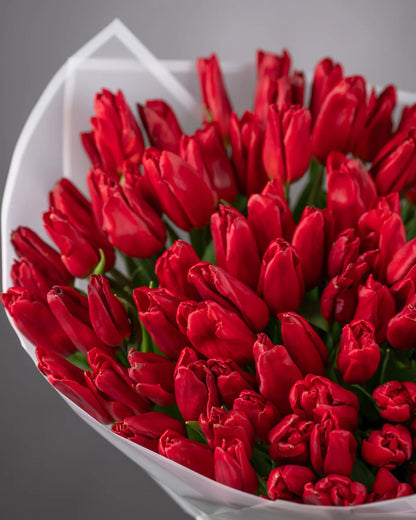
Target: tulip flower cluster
<point x="266" y="344"/>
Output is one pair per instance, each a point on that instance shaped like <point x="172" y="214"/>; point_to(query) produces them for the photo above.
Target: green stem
<point x="317" y="170"/>
<point x="384" y="367"/>
<point x="286" y="188"/>
<point x="119" y="277"/>
<point x="363" y="391"/>
<point x="173" y="236"/>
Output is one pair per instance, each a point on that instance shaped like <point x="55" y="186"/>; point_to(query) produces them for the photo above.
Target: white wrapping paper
<point x="49" y="147"/>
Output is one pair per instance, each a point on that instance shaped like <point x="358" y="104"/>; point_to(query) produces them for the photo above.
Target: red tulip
<point x="408" y="119"/>
<point x="386" y="486"/>
<point x="403" y="263"/>
<point x="289" y="440"/>
<point x="161" y="124"/>
<point x="397" y="401"/>
<point x="335" y="490"/>
<point x="287" y="143"/>
<point x="345" y="250"/>
<point x="24" y="274"/>
<point x="340" y="122"/>
<point x="327" y="75"/>
<point x="233" y="468"/>
<point x="389" y="447"/>
<point x="401" y="329"/>
<point x="287" y="482"/>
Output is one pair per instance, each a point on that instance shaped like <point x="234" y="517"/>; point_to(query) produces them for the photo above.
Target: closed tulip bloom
<point x="335" y="490"/>
<point x="131" y="224"/>
<point x="213" y="283"/>
<point x="287" y="482"/>
<point x="147" y="428"/>
<point x="397" y="401"/>
<point x="289" y="440"/>
<point x="70" y="381"/>
<point x="153" y="375"/>
<point x="215" y="101"/>
<point x="375" y="304"/>
<point x="233" y="468"/>
<point x="394" y="167"/>
<point x="276" y="372"/>
<point x="246" y="137"/>
<point x="172" y="268"/>
<point x="401" y="329"/>
<point x="403" y="292"/>
<point x="185" y="195"/>
<point x="71" y="309"/>
<point x="161" y="124"/>
<point x="359" y="354"/>
<point x="339" y="298"/>
<point x="403" y="263"/>
<point x="345" y="250"/>
<point x="340" y="122"/>
<point x="223" y="429"/>
<point x="263" y="414"/>
<point x="303" y="344"/>
<point x="205" y="152"/>
<point x="43" y="257"/>
<point x="287" y="143"/>
<point x="116" y="136"/>
<point x="327" y="74"/>
<point x="235" y="245"/>
<point x="216" y="332"/>
<point x="333" y="450"/>
<point x="24" y="274"/>
<point x="315" y="396"/>
<point x="311" y="240"/>
<point x="270" y="67"/>
<point x="34" y="319"/>
<point x="386" y="486"/>
<point x="269" y="215"/>
<point x="157" y="311"/>
<point x="408" y="119"/>
<point x="379" y="124"/>
<point x="191" y="454"/>
<point x="389" y="447"/>
<point x="351" y="190"/>
<point x="108" y="316"/>
<point x="281" y="280"/>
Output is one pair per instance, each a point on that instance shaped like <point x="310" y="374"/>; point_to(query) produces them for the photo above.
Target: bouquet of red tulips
<point x="262" y="338"/>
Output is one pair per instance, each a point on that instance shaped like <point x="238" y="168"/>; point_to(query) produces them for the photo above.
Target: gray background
<point x="51" y="464"/>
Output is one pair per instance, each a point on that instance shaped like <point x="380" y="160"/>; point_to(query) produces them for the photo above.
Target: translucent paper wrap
<point x="49" y="147"/>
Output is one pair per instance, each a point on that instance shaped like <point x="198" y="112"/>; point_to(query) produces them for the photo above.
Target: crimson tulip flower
<point x="161" y="124"/>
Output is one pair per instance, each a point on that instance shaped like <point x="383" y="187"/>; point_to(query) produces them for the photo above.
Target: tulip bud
<point x="397" y="401"/>
<point x="287" y="143"/>
<point x="216" y="105"/>
<point x="213" y="283"/>
<point x="172" y="270"/>
<point x="333" y="450"/>
<point x="340" y="122"/>
<point x="327" y="74"/>
<point x="335" y="490"/>
<point x="246" y="137"/>
<point x="157" y="311"/>
<point x="345" y="250"/>
<point x="216" y="332"/>
<point x="270" y="67"/>
<point x="185" y="195"/>
<point x="35" y="321"/>
<point x="262" y="413"/>
<point x="351" y="190"/>
<point x="393" y="168"/>
<point x="408" y="119"/>
<point x="386" y="486"/>
<point x="44" y="258"/>
<point x="147" y="428"/>
<point x="379" y="124"/>
<point x="235" y="245"/>
<point x="389" y="447"/>
<point x="153" y="375"/>
<point x="289" y="440"/>
<point x="71" y="309"/>
<point x="205" y="152"/>
<point x="303" y="344"/>
<point x="403" y="263"/>
<point x="311" y="240"/>
<point x="270" y="207"/>
<point x="233" y="468"/>
<point x="403" y="292"/>
<point x="25" y="274"/>
<point x="359" y="354"/>
<point x="401" y="329"/>
<point x="315" y="396"/>
<point x="375" y="304"/>
<point x="191" y="454"/>
<point x="276" y="372"/>
<point x="161" y="124"/>
<point x="281" y="280"/>
<point x="116" y="136"/>
<point x="287" y="482"/>
<point x="69" y="380"/>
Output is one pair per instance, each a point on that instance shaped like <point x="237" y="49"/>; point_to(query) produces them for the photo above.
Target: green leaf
<point x="362" y="473"/>
<point x="261" y="461"/>
<point x="79" y="360"/>
<point x="194" y="431"/>
<point x="101" y="264"/>
<point x="122" y="358"/>
<point x="209" y="253"/>
<point x="172" y="411"/>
